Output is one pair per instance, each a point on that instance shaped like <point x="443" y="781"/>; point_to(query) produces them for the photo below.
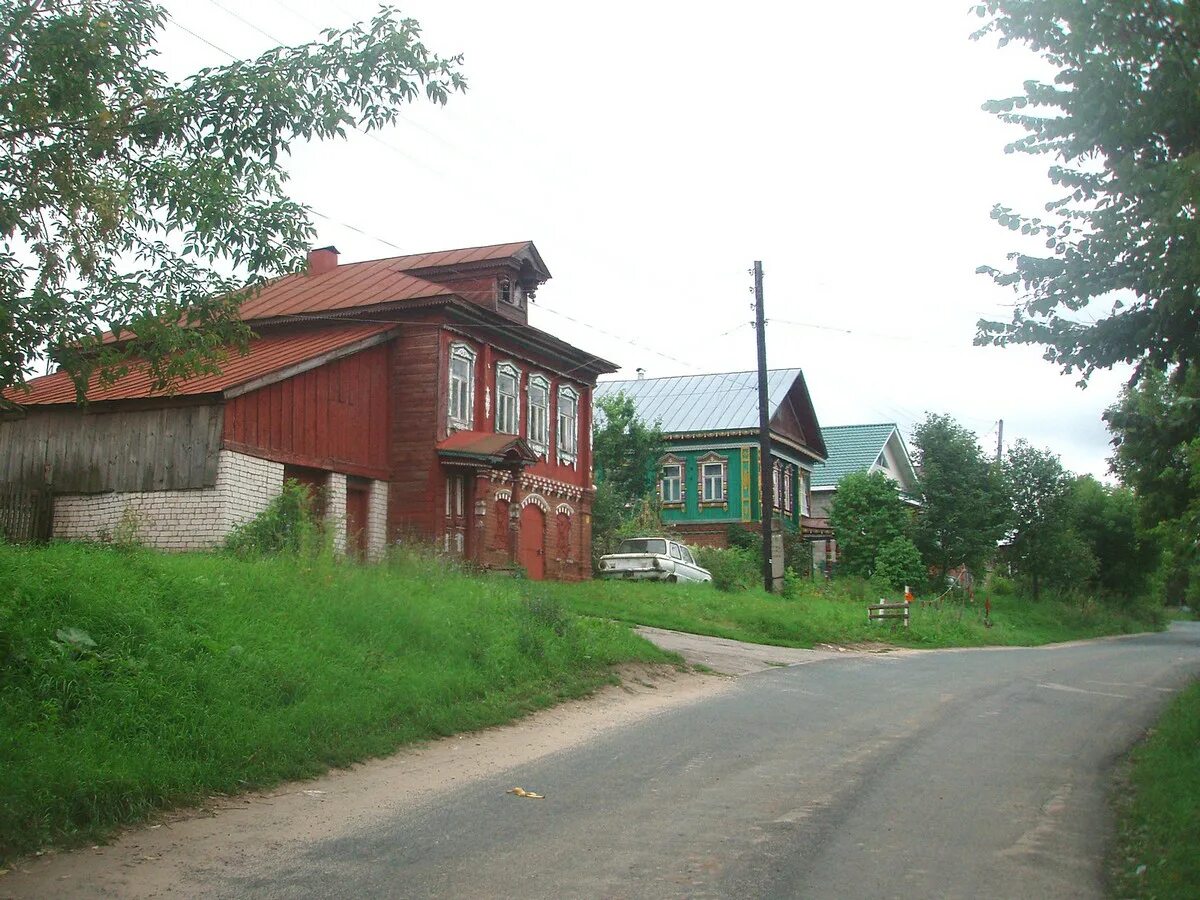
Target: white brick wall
<point x="174" y="520"/>
<point x="335" y="509"/>
<point x="377" y="520"/>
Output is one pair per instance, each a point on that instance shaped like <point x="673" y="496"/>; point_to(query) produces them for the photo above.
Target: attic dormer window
<point x="510" y="293"/>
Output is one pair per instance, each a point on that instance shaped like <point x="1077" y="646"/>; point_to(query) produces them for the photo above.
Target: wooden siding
<point x="415" y="496"/>
<point x="333" y="417"/>
<point x="81" y="451"/>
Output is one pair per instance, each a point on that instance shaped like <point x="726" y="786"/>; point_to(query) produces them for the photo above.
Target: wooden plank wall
<point x="85" y="451"/>
<point x="331" y="417"/>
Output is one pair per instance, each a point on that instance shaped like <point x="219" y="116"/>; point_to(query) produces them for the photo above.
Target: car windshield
<point x="644" y="545"/>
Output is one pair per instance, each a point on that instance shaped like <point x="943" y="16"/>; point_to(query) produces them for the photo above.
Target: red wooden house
<point x="411" y="389"/>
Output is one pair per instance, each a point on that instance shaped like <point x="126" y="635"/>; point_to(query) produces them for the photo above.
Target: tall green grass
<point x="836" y="613"/>
<point x="133" y="680"/>
<point x="1159" y="815"/>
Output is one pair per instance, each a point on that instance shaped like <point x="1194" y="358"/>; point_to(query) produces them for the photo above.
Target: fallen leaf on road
<point x="521" y="792"/>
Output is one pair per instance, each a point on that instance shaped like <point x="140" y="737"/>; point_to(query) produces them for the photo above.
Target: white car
<point x="652" y="559"/>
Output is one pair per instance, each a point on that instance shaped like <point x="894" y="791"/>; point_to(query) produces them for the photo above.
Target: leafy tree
<point x="964" y="507"/>
<point x="899" y="563"/>
<point x="626" y="450"/>
<point x="1117" y="281"/>
<point x="1121" y="121"/>
<point x="1156" y="435"/>
<point x="1043" y="547"/>
<point x="1106" y="520"/>
<point x="626" y="453"/>
<point x="134" y="203"/>
<point x="866" y="514"/>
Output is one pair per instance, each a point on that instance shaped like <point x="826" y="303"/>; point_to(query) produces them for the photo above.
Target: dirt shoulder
<point x="180" y="851"/>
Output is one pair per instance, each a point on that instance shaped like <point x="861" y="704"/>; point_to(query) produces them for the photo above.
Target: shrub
<point x="287" y="525"/>
<point x="899" y="563"/>
<point x="734" y="569"/>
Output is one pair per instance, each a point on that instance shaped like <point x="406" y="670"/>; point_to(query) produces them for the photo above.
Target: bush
<point x="287" y="525"/>
<point x="899" y="563"/>
<point x="734" y="569"/>
<point x="1000" y="586"/>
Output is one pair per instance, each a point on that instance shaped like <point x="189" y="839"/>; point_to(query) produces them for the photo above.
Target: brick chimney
<point x="322" y="260"/>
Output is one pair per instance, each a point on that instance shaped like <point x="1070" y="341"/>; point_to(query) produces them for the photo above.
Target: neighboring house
<point x="858" y="448"/>
<point x="411" y="390"/>
<point x="710" y="473"/>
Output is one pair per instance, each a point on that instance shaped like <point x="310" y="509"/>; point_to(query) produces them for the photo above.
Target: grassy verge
<point x="214" y="674"/>
<point x="824" y="614"/>
<point x="1159" y="811"/>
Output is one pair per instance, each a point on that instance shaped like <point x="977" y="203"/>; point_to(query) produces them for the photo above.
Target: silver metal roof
<point x="688" y="403"/>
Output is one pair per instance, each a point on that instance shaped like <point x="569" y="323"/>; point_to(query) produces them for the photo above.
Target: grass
<point x="134" y="680"/>
<point x="1159" y="811"/>
<point x="836" y="613"/>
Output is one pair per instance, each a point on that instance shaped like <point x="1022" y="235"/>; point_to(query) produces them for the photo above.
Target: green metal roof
<point x="852" y="448"/>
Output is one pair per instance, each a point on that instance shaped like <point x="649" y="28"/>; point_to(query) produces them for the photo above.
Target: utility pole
<point x="767" y="500"/>
<point x="999" y="440"/>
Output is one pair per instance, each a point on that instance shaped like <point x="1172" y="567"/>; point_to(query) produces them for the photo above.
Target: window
<point x="777" y="485"/>
<point x="675" y="551"/>
<point x="671" y="484"/>
<point x="539" y="413"/>
<point x="656" y="546"/>
<point x="568" y="421"/>
<point x="803" y="486"/>
<point x="712" y="479"/>
<point x="687" y="555"/>
<point x="787" y="490"/>
<point x="462" y="386"/>
<point x="882" y="462"/>
<point x="508" y="406"/>
<point x="510" y="293"/>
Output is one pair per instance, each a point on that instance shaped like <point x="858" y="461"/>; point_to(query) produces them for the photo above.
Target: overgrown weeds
<point x="135" y="680"/>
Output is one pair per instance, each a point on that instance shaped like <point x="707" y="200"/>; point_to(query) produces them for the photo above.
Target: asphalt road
<point x="978" y="773"/>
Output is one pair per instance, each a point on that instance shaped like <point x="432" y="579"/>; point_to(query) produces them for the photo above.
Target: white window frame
<point x="671" y="462"/>
<point x="538" y="425"/>
<point x="714" y="498"/>
<point x="803" y="491"/>
<point x="460" y="402"/>
<point x="568" y="426"/>
<point x="777" y="484"/>
<point x="508" y="406"/>
<point x="787" y="489"/>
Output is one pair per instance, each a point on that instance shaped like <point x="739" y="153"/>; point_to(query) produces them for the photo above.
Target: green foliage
<point x="626" y="452"/>
<point x="964" y="507"/>
<point x="835" y="612"/>
<point x="899" y="563"/>
<point x="1121" y="120"/>
<point x="287" y="525"/>
<point x="1043" y="547"/>
<point x="1156" y="431"/>
<point x="733" y="569"/>
<point x="866" y="514"/>
<point x="1158" y="815"/>
<point x="1107" y="521"/>
<point x="138" y="203"/>
<point x="625" y="449"/>
<point x="137" y="680"/>
<point x="1116" y="282"/>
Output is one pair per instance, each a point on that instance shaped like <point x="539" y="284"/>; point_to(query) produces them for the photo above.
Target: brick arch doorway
<point x="531" y="549"/>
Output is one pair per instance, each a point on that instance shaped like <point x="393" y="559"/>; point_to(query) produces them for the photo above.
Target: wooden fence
<point x="26" y="514"/>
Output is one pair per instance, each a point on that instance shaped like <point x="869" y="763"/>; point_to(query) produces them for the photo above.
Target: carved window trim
<point x="538" y="417"/>
<point x="508" y="405"/>
<point x="709" y="498"/>
<point x="680" y="465"/>
<point x="460" y="403"/>
<point x="568" y="425"/>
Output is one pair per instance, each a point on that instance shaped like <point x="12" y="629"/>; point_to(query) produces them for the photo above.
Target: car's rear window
<point x="643" y="545"/>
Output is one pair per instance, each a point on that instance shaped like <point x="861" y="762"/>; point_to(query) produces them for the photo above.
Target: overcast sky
<point x="653" y="151"/>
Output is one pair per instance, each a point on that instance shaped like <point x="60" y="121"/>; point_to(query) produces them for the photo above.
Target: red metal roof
<point x="367" y="283"/>
<point x="266" y="355"/>
<point x="485" y="444"/>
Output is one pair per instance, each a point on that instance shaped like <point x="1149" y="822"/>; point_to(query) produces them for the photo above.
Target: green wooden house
<point x="710" y="473"/>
